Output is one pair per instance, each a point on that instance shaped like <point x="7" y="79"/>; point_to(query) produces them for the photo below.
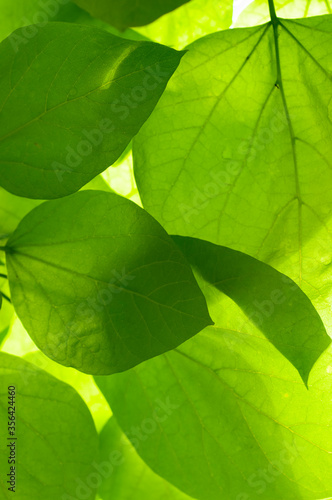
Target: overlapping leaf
<point x="14" y="208"/>
<point x="99" y="285"/>
<point x="56" y="441"/>
<point x="125" y="13"/>
<point x="82" y="383"/>
<point x="28" y="12"/>
<point x="241" y="424"/>
<point x="21" y="13"/>
<point x="125" y="473"/>
<point x="270" y="300"/>
<point x="238" y="151"/>
<point x="87" y="93"/>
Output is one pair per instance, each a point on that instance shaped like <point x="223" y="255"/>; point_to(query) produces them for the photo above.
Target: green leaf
<point x="6" y="310"/>
<point x="257" y="12"/>
<point x="3" y="333"/>
<point x="125" y="472"/>
<point x="27" y="12"/>
<point x="189" y="22"/>
<point x="125" y="13"/>
<point x="99" y="285"/>
<point x="66" y="73"/>
<point x="227" y="416"/>
<point x="269" y="299"/>
<point x="229" y="157"/>
<point x="82" y="383"/>
<point x="56" y="442"/>
<point x="14" y="208"/>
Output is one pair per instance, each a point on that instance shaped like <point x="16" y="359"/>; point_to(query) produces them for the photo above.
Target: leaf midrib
<point x="128" y="291"/>
<point x="276" y="23"/>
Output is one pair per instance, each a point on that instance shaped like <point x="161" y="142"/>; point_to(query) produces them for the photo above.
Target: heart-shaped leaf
<point x="238" y="151"/>
<point x="99" y="285"/>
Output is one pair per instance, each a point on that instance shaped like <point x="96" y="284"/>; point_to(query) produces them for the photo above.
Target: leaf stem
<point x="4" y="236"/>
<point x="273" y="14"/>
<point x="3" y="276"/>
<point x="6" y="297"/>
<point x="3" y="248"/>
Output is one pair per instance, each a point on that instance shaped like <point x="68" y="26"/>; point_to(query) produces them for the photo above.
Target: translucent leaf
<point x="237" y="420"/>
<point x="125" y="13"/>
<point x="238" y="151"/>
<point x="270" y="300"/>
<point x="125" y="472"/>
<point x="99" y="285"/>
<point x="257" y="11"/>
<point x="65" y="73"/>
<point x="53" y="439"/>
<point x="189" y="22"/>
<point x="14" y="208"/>
<point x="24" y="13"/>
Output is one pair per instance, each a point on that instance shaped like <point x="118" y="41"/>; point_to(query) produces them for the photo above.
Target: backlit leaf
<point x="81" y="382"/>
<point x="240" y="424"/>
<point x="189" y="22"/>
<point x="14" y="208"/>
<point x="238" y="151"/>
<point x="270" y="300"/>
<point x="125" y="13"/>
<point x="6" y="309"/>
<point x="125" y="472"/>
<point x="257" y="11"/>
<point x="55" y="441"/>
<point x="3" y="333"/>
<point x="99" y="285"/>
<point x="28" y="12"/>
<point x="66" y="72"/>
